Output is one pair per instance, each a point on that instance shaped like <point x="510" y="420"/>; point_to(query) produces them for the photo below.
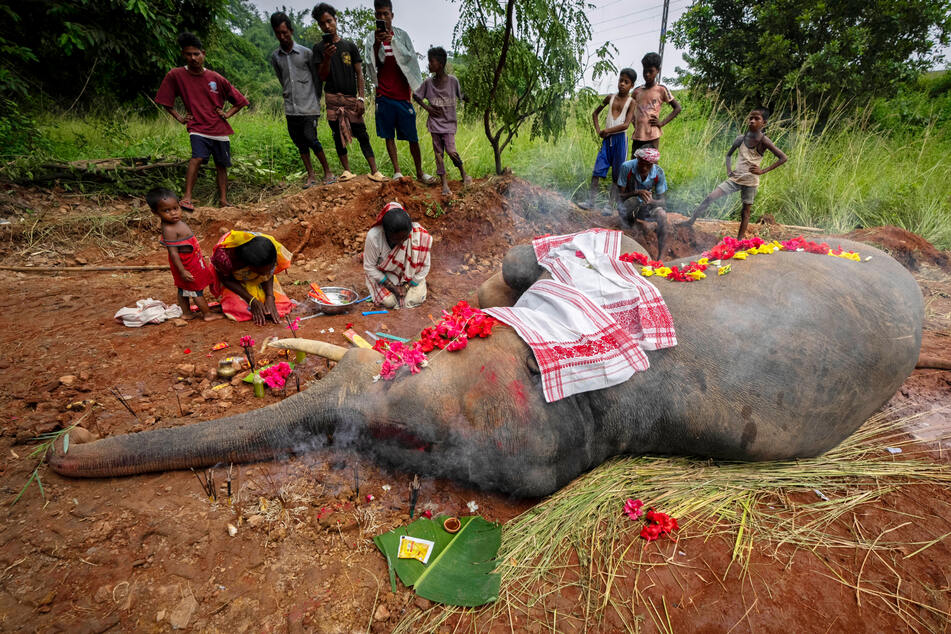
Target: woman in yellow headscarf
<point x="246" y="262"/>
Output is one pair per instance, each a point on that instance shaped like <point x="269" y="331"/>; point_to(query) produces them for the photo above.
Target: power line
<point x="621" y="26"/>
<point x="626" y="15"/>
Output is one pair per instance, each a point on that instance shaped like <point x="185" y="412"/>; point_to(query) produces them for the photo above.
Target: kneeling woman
<point x="396" y="259"/>
<point x="246" y="263"/>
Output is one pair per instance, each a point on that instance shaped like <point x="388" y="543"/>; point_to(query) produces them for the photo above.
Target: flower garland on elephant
<point x="451" y="333"/>
<point x="731" y="249"/>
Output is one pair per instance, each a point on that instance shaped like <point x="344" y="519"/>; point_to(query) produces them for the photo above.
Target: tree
<point x="520" y="62"/>
<point x="73" y="49"/>
<point x="749" y="50"/>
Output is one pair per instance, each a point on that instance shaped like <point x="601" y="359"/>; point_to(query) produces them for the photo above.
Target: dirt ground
<point x="154" y="553"/>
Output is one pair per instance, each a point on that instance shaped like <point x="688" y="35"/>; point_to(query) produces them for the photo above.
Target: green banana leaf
<point x="460" y="568"/>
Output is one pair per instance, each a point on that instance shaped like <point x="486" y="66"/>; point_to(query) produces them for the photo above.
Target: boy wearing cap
<point x="642" y="185"/>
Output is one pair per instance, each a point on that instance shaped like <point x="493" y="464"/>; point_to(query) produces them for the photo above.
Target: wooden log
<point x="82" y="269"/>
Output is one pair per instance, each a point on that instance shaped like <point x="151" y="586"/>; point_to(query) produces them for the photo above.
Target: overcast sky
<point x="631" y="25"/>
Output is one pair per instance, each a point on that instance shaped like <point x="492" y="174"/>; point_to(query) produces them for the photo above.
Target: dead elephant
<point x="783" y="358"/>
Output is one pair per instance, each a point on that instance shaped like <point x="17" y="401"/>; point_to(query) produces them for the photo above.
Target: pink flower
<point x="633" y="508"/>
<point x="294" y="325"/>
<point x="460" y="342"/>
<point x="247" y="341"/>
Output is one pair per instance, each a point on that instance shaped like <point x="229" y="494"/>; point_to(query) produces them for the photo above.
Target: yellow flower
<point x="703" y="261"/>
<point x="777" y="245"/>
<point x="740" y="255"/>
<point x="697" y="275"/>
<point x="662" y="271"/>
<point x="723" y="270"/>
<point x="647" y="271"/>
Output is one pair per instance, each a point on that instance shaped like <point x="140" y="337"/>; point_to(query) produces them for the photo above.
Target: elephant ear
<point x="460" y="567"/>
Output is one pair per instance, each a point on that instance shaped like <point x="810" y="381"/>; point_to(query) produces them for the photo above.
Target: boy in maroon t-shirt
<point x="204" y="93"/>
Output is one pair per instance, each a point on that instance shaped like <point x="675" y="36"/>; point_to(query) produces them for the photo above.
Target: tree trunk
<point x="506" y="38"/>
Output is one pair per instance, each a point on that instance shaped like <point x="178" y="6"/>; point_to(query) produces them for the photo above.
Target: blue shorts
<point x="612" y="153"/>
<point x="400" y="115"/>
<point x="203" y="147"/>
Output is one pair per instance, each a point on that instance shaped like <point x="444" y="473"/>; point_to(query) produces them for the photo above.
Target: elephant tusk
<point x="311" y="346"/>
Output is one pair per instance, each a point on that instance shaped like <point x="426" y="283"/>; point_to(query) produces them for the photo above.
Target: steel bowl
<point x="342" y="298"/>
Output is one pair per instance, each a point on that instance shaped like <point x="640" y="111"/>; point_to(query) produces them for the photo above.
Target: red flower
<point x="650" y="532"/>
<point x="428" y="514"/>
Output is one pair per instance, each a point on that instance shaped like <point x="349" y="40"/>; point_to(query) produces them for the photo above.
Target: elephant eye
<point x="532" y="364"/>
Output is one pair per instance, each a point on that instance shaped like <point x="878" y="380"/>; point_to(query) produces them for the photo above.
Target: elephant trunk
<point x="294" y="425"/>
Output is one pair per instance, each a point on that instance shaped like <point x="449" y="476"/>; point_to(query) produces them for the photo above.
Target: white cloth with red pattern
<point x="589" y="326"/>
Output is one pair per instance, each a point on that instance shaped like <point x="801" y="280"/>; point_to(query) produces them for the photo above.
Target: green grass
<point x="849" y="173"/>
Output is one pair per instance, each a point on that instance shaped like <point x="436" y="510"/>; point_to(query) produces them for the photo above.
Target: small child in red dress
<point x="192" y="274"/>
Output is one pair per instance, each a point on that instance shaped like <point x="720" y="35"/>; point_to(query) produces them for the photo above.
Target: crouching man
<point x="642" y="187"/>
<point x="396" y="259"/>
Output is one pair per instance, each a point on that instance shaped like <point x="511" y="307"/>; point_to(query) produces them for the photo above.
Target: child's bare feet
<point x="213" y="316"/>
<point x="225" y="203"/>
<point x="187" y="314"/>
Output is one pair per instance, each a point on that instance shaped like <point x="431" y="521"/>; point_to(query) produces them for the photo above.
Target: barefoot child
<point x="192" y="274"/>
<point x="442" y="92"/>
<point x="648" y="99"/>
<point x="614" y="146"/>
<point x="396" y="259"/>
<point x="745" y="178"/>
<point x="204" y="93"/>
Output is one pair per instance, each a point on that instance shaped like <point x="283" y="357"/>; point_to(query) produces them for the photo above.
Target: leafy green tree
<point x="751" y="50"/>
<point x="74" y="50"/>
<point x="520" y="63"/>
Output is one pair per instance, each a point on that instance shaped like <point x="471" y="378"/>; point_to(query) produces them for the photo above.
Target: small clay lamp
<point x="451" y="525"/>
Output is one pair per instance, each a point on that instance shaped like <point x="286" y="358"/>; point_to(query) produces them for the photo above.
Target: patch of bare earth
<point x="153" y="552"/>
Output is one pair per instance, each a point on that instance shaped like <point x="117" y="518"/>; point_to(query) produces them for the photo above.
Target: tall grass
<point x="844" y="174"/>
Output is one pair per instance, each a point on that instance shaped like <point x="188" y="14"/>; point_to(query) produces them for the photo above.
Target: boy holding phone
<point x="392" y="66"/>
<point x="293" y="65"/>
<point x="340" y="67"/>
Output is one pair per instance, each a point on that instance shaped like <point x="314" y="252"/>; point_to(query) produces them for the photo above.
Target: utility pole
<point x="663" y="33"/>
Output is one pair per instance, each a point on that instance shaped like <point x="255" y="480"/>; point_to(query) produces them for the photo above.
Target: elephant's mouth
<point x="395" y="434"/>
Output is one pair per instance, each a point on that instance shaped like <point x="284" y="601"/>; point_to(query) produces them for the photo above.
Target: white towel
<point x="147" y="311"/>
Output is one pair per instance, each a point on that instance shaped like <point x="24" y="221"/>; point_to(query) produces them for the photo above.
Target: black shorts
<point x="636" y="145"/>
<point x="303" y="131"/>
<point x="203" y="147"/>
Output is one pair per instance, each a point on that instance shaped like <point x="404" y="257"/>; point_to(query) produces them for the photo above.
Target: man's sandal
<point x="186" y="204"/>
<point x="378" y="177"/>
<point x="346" y="176"/>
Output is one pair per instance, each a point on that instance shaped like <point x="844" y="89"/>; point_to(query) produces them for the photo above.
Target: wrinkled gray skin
<point x="782" y="358"/>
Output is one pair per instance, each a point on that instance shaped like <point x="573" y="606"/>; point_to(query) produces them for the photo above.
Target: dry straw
<point x="579" y="538"/>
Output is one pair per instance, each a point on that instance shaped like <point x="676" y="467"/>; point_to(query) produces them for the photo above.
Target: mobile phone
<point x="380" y="25"/>
<point x="328" y="38"/>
